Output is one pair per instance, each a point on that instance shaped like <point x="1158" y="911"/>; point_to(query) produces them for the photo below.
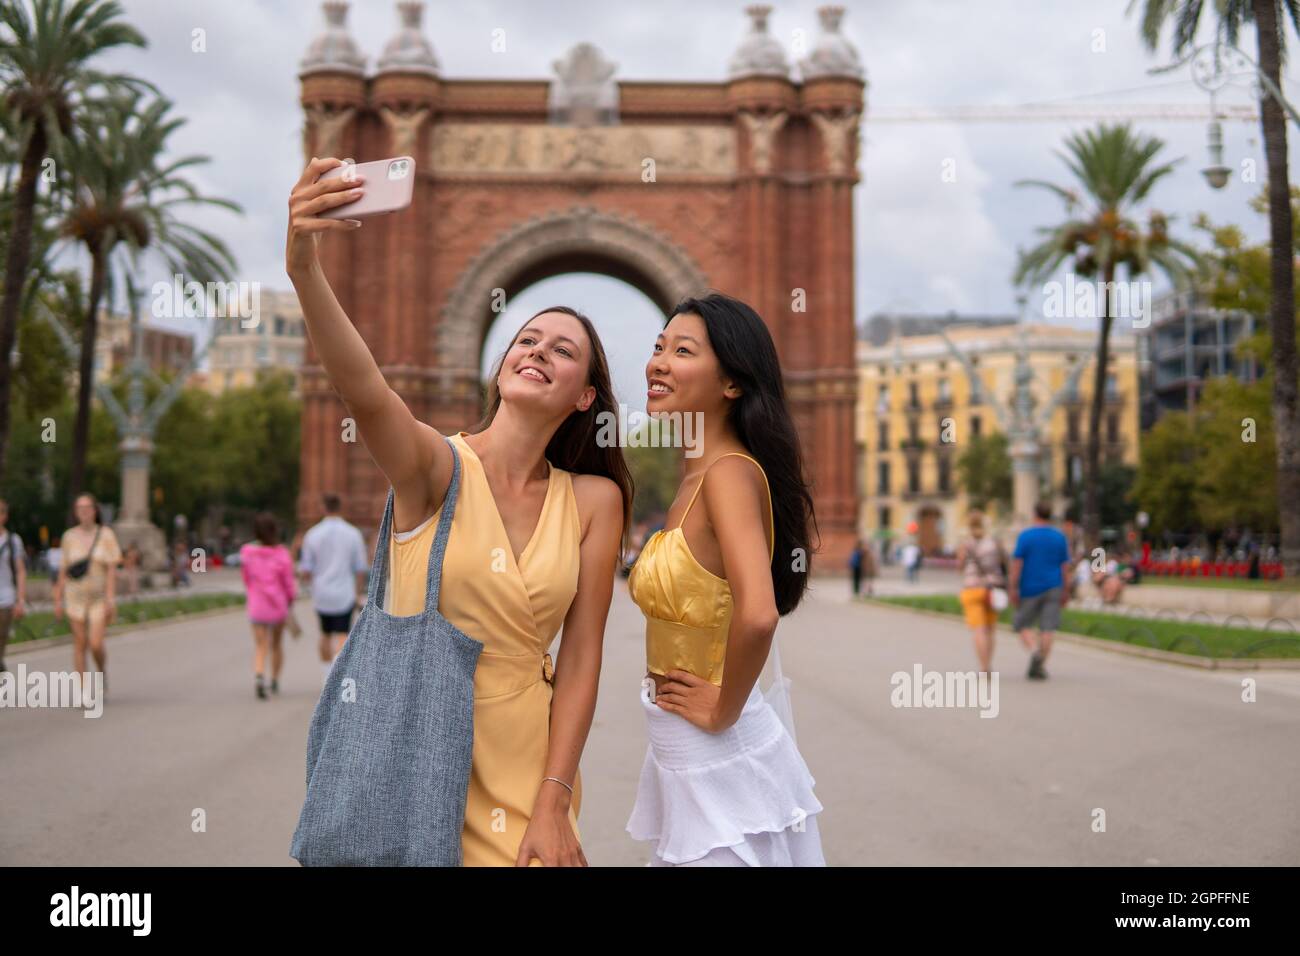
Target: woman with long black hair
<point x="534" y="541"/>
<point x="723" y="783"/>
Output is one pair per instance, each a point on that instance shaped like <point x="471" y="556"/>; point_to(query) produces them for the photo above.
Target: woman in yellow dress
<point x="723" y="782"/>
<point x="534" y="542"/>
<point x="89" y="601"/>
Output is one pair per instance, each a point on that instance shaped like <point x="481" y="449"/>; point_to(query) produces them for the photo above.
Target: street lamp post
<point x="136" y="424"/>
<point x="1214" y="66"/>
<point x="1024" y="429"/>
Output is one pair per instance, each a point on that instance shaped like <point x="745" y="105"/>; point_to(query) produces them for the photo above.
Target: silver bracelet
<point x="560" y="782"/>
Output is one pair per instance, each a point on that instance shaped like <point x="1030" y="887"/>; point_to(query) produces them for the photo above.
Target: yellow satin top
<point x="515" y="607"/>
<point x="687" y="608"/>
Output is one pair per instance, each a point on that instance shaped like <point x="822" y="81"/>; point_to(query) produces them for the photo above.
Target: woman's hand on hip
<point x="550" y="837"/>
<point x="694" y="698"/>
<point x="307" y="201"/>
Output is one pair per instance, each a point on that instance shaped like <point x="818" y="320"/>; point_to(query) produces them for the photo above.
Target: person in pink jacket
<point x="267" y="569"/>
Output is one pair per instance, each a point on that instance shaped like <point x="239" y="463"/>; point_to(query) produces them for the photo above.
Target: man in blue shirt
<point x="1039" y="586"/>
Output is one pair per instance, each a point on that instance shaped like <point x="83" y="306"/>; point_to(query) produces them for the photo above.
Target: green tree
<point x="1165" y="486"/>
<point x="984" y="470"/>
<point x="46" y="47"/>
<point x="656" y="470"/>
<point x="121" y="193"/>
<point x="1268" y="18"/>
<point x="256" y="432"/>
<point x="1236" y="476"/>
<point x="1115" y="170"/>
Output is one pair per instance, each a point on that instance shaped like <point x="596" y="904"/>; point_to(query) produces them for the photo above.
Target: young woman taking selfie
<point x="534" y="542"/>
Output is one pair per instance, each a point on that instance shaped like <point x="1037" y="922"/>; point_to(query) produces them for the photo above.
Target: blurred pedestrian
<point x="86" y="587"/>
<point x="54" y="557"/>
<point x="912" y="561"/>
<point x="855" y="566"/>
<point x="1040" y="585"/>
<point x="334" y="564"/>
<point x="267" y="569"/>
<point x="131" y="562"/>
<point x="981" y="561"/>
<point x="13" y="580"/>
<point x="180" y="563"/>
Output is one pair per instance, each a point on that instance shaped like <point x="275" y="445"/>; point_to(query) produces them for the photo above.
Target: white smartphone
<point x="389" y="185"/>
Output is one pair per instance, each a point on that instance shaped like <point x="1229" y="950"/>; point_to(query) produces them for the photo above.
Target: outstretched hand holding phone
<point x="310" y="197"/>
<point x="410" y="453"/>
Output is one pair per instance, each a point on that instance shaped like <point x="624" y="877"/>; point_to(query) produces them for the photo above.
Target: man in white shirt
<point x="13" y="580"/>
<point x="334" y="563"/>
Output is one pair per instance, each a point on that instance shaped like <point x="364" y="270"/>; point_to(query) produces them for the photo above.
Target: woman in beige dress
<point x="89" y="601"/>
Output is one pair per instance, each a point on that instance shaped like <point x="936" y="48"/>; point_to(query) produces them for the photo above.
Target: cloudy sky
<point x="923" y="244"/>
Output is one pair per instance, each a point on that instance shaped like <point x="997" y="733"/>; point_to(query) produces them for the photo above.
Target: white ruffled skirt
<point x="742" y="797"/>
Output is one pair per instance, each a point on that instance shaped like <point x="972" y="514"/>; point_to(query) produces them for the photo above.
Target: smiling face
<point x="547" y="364"/>
<point x="683" y="374"/>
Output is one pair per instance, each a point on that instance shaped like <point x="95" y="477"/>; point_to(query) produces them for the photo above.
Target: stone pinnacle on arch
<point x="409" y="51"/>
<point x="833" y="54"/>
<point x="760" y="53"/>
<point x="333" y="50"/>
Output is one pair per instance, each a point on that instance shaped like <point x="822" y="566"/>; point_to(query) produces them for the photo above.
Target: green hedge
<point x="1191" y="638"/>
<point x="43" y="624"/>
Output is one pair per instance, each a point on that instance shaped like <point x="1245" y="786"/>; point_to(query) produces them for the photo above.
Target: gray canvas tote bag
<point x="390" y="741"/>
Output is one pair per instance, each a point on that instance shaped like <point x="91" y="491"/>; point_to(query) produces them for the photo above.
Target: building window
<point x="882" y="401"/>
<point x="884" y="517"/>
<point x="882" y="478"/>
<point x="914" y="476"/>
<point x="913" y="395"/>
<point x="913" y="434"/>
<point x="882" y="429"/>
<point x="975" y="425"/>
<point x="1112" y="386"/>
<point x="1112" y="427"/>
<point x="945" y="474"/>
<point x="945" y="390"/>
<point x="1072" y="426"/>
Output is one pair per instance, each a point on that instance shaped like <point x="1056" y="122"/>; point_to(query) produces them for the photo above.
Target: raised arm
<point x="411" y="454"/>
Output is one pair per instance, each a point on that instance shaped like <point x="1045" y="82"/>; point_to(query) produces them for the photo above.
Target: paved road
<point x="1186" y="772"/>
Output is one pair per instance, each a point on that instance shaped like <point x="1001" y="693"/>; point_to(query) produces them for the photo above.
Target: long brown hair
<point x="573" y="447"/>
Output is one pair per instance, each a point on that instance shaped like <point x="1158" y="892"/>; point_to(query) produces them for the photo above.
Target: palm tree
<point x="1270" y="40"/>
<point x="122" y="196"/>
<point x="1115" y="169"/>
<point x="44" y="72"/>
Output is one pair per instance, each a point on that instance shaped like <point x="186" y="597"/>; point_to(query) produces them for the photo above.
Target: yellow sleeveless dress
<point x="516" y="609"/>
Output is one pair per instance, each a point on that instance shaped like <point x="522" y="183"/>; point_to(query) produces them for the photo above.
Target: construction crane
<point x="1048" y="112"/>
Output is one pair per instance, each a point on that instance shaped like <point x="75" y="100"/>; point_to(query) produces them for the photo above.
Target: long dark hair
<point x="761" y="420"/>
<point x="573" y="447"/>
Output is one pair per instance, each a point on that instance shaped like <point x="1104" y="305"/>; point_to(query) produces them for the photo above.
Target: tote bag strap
<point x="433" y="584"/>
<point x="379" y="565"/>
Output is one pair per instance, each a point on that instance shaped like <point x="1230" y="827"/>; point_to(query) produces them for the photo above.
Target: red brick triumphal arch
<point x="743" y="185"/>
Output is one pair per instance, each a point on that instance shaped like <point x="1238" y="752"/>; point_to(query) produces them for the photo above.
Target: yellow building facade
<point x="916" y="416"/>
<point x="274" y="338"/>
